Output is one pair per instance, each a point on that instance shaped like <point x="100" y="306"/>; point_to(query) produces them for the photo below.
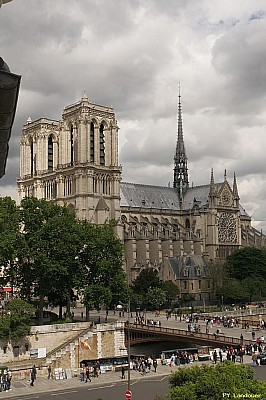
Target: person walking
<point x="49" y="370"/>
<point x="215" y="357"/>
<point x="88" y="374"/>
<point x="155" y="364"/>
<point x="8" y="380"/>
<point x="33" y="375"/>
<point x="123" y="372"/>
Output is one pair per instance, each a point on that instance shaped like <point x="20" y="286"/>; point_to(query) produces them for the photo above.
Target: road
<point x="151" y="387"/>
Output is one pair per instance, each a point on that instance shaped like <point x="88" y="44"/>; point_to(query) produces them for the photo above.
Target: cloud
<point x="132" y="54"/>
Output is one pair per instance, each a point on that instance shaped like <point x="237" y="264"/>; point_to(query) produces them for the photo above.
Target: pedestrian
<point x="123" y="372"/>
<point x="253" y="335"/>
<point x="8" y="380"/>
<point x="88" y="374"/>
<point x="241" y="338"/>
<point x="215" y="356"/>
<point x="49" y="370"/>
<point x="254" y="359"/>
<point x="33" y="375"/>
<point x="155" y="364"/>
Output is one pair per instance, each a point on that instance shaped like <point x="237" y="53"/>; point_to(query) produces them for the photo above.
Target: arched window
<point x="102" y="145"/>
<point x="71" y="145"/>
<point x="92" y="154"/>
<point x="31" y="158"/>
<point x="187" y="224"/>
<point x="50" y="153"/>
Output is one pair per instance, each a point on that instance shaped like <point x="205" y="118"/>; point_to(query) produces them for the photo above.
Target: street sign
<point x="128" y="394"/>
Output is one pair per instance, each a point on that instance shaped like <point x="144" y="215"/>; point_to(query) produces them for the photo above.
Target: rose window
<point x="227" y="228"/>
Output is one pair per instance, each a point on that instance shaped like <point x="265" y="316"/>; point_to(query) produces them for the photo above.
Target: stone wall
<point x="71" y="343"/>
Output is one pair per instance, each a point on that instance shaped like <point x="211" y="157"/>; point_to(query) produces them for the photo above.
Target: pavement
<point x="43" y="385"/>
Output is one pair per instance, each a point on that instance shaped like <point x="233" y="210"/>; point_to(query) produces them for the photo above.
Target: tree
<point x="254" y="287"/>
<point x="10" y="237"/>
<point x="46" y="260"/>
<point x="247" y="262"/>
<point x="155" y="297"/>
<point x="101" y="279"/>
<point x="171" y="290"/>
<point x="148" y="278"/>
<point x="15" y="322"/>
<point x="210" y="382"/>
<point x="234" y="291"/>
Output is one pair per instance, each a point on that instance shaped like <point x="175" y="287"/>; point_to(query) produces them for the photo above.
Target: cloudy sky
<point x="131" y="54"/>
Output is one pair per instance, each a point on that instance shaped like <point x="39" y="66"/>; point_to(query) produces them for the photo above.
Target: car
<point x="263" y="358"/>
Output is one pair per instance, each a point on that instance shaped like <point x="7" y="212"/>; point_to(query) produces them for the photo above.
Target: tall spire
<point x="235" y="190"/>
<point x="180" y="160"/>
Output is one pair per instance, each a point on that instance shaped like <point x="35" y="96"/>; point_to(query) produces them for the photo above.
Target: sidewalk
<point x="42" y="385"/>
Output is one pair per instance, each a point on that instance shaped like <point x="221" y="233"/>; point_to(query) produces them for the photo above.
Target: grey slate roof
<point x="162" y="197"/>
<point x="192" y="262"/>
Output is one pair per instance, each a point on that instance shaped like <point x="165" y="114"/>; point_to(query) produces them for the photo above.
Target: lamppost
<point x="119" y="308"/>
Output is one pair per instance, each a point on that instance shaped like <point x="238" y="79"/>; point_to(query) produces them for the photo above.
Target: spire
<point x="180" y="160"/>
<point x="212" y="187"/>
<point x="235" y="190"/>
<point x="225" y="175"/>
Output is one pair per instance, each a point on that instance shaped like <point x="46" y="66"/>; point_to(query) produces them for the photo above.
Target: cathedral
<point x="176" y="230"/>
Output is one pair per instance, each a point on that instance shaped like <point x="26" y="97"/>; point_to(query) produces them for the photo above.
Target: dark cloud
<point x="132" y="54"/>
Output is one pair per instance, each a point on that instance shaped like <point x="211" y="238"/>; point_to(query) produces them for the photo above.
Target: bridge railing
<point x="182" y="332"/>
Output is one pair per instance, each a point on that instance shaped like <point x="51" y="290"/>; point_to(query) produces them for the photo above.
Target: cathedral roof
<point x="137" y="195"/>
<point x="148" y="196"/>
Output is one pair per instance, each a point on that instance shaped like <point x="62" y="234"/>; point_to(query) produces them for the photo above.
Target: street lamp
<point x="4" y="2"/>
<point x="119" y="308"/>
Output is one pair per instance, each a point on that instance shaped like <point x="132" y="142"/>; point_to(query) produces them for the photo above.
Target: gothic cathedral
<point x="176" y="230"/>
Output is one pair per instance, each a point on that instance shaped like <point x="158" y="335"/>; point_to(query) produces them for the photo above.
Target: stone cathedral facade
<point x="176" y="230"/>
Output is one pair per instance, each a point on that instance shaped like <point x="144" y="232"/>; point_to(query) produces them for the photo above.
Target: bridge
<point x="142" y="333"/>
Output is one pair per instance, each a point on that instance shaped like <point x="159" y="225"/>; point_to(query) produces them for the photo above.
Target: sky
<point x="132" y="54"/>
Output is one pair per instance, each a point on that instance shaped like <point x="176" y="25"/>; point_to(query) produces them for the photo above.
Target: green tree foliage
<point x="10" y="236"/>
<point x="155" y="297"/>
<point x="46" y="261"/>
<point x="47" y="252"/>
<point x="234" y="291"/>
<point x="15" y="322"/>
<point x="247" y="262"/>
<point x="101" y="272"/>
<point x="148" y="278"/>
<point x="210" y="382"/>
<point x="171" y="290"/>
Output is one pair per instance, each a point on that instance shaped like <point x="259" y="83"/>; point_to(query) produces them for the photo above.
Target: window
<point x="50" y="153"/>
<point x="199" y="284"/>
<point x="187" y="224"/>
<point x="192" y="286"/>
<point x="31" y="159"/>
<point x="71" y="145"/>
<point x="185" y="272"/>
<point x="102" y="145"/>
<point x="185" y="285"/>
<point x="92" y="154"/>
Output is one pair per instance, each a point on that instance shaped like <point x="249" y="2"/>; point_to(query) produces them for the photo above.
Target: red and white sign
<point x="128" y="394"/>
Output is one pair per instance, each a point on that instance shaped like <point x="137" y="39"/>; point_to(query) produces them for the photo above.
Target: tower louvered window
<point x="102" y="145"/>
<point x="50" y="153"/>
<point x="71" y="145"/>
<point x="92" y="154"/>
<point x="31" y="159"/>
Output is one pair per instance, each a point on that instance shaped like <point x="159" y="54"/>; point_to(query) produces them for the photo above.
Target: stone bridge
<point x="141" y="333"/>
